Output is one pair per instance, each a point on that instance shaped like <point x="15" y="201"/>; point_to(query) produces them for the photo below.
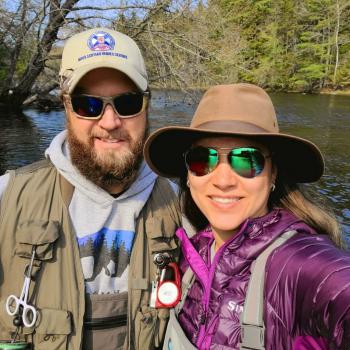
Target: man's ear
<point x="65" y="103"/>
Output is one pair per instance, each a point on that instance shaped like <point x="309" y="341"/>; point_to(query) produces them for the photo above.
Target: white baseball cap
<point x="101" y="48"/>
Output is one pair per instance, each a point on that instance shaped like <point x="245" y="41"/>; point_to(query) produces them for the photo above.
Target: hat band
<point x="234" y="126"/>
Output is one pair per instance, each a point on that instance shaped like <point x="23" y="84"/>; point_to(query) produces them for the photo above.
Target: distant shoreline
<point x="345" y="92"/>
<point x="54" y="102"/>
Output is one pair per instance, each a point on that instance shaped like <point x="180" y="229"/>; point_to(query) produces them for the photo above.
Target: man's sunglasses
<point x="247" y="162"/>
<point x="126" y="105"/>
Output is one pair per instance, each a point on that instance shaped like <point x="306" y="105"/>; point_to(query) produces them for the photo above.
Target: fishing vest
<point x="34" y="212"/>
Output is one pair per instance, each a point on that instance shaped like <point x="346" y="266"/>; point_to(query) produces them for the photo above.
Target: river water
<point x="323" y="119"/>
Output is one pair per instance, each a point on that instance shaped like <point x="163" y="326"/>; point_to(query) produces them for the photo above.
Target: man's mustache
<point x="111" y="135"/>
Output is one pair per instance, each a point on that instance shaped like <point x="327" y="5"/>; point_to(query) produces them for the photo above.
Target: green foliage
<point x="22" y="62"/>
<point x="299" y="45"/>
<point x="4" y="58"/>
<point x="290" y="44"/>
<point x="343" y="73"/>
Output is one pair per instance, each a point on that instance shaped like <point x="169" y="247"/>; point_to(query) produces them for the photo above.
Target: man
<point x="92" y="215"/>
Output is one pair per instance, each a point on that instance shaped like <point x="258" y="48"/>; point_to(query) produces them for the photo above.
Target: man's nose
<point x="110" y="119"/>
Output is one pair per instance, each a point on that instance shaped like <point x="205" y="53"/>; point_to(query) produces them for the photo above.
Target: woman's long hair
<point x="310" y="208"/>
<point x="189" y="207"/>
<point x="307" y="205"/>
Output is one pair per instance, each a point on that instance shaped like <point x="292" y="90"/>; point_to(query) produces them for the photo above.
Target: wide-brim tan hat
<point x="101" y="48"/>
<point x="235" y="110"/>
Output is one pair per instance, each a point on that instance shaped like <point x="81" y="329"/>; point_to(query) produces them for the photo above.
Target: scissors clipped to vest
<point x="26" y="313"/>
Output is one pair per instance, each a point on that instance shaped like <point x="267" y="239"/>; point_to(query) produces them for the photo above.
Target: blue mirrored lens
<point x="87" y="106"/>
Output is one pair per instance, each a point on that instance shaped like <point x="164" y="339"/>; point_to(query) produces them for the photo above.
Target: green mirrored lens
<point x="246" y="161"/>
<point x="213" y="159"/>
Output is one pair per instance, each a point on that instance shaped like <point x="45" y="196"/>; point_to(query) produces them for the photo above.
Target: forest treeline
<point x="285" y="45"/>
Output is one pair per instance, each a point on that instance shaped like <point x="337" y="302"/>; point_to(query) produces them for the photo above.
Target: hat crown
<point x="102" y="47"/>
<point x="245" y="103"/>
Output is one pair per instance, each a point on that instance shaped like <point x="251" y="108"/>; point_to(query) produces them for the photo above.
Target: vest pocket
<point x="53" y="330"/>
<point x="150" y="327"/>
<point x="161" y="234"/>
<point x="41" y="233"/>
<point x="163" y="318"/>
<point x="105" y="321"/>
<point x="145" y="327"/>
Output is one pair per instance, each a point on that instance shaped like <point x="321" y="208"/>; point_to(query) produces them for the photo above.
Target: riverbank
<point x="189" y="96"/>
<point x="345" y="92"/>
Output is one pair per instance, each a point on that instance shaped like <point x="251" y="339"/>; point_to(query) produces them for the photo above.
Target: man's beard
<point x="110" y="168"/>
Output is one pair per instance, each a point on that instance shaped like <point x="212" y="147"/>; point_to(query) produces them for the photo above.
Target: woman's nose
<point x="224" y="177"/>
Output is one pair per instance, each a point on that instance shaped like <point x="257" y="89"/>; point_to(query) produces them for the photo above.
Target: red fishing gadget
<point x="169" y="291"/>
<point x="166" y="289"/>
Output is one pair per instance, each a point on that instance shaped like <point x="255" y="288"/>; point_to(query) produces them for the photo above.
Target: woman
<point x="239" y="177"/>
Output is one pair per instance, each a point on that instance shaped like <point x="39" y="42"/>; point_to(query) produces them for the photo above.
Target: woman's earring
<point x="188" y="183"/>
<point x="273" y="186"/>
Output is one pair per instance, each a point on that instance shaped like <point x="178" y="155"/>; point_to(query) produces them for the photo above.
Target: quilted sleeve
<point x="308" y="292"/>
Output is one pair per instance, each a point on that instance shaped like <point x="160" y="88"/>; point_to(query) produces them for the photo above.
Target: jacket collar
<point x="252" y="235"/>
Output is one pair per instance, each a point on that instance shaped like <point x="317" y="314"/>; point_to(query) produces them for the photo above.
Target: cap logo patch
<point x="101" y="41"/>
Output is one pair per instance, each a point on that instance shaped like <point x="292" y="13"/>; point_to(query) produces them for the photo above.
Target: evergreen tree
<point x="313" y="45"/>
<point x="87" y="249"/>
<point x="123" y="259"/>
<point x="115" y="257"/>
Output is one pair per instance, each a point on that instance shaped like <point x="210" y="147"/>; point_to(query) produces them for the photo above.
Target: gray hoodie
<point x="104" y="225"/>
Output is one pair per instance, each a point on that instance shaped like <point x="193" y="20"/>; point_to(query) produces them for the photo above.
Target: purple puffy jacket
<point x="307" y="287"/>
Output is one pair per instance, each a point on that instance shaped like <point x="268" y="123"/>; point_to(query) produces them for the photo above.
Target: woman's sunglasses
<point x="125" y="105"/>
<point x="247" y="162"/>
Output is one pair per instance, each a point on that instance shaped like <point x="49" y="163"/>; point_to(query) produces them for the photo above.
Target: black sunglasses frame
<point x="110" y="100"/>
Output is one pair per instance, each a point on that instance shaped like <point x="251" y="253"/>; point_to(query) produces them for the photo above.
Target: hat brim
<point x="133" y="74"/>
<point x="300" y="160"/>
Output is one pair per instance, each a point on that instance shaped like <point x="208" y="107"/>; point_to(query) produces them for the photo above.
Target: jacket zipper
<point x="203" y="329"/>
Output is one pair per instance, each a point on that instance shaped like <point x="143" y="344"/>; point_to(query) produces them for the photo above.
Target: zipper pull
<point x="202" y="318"/>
